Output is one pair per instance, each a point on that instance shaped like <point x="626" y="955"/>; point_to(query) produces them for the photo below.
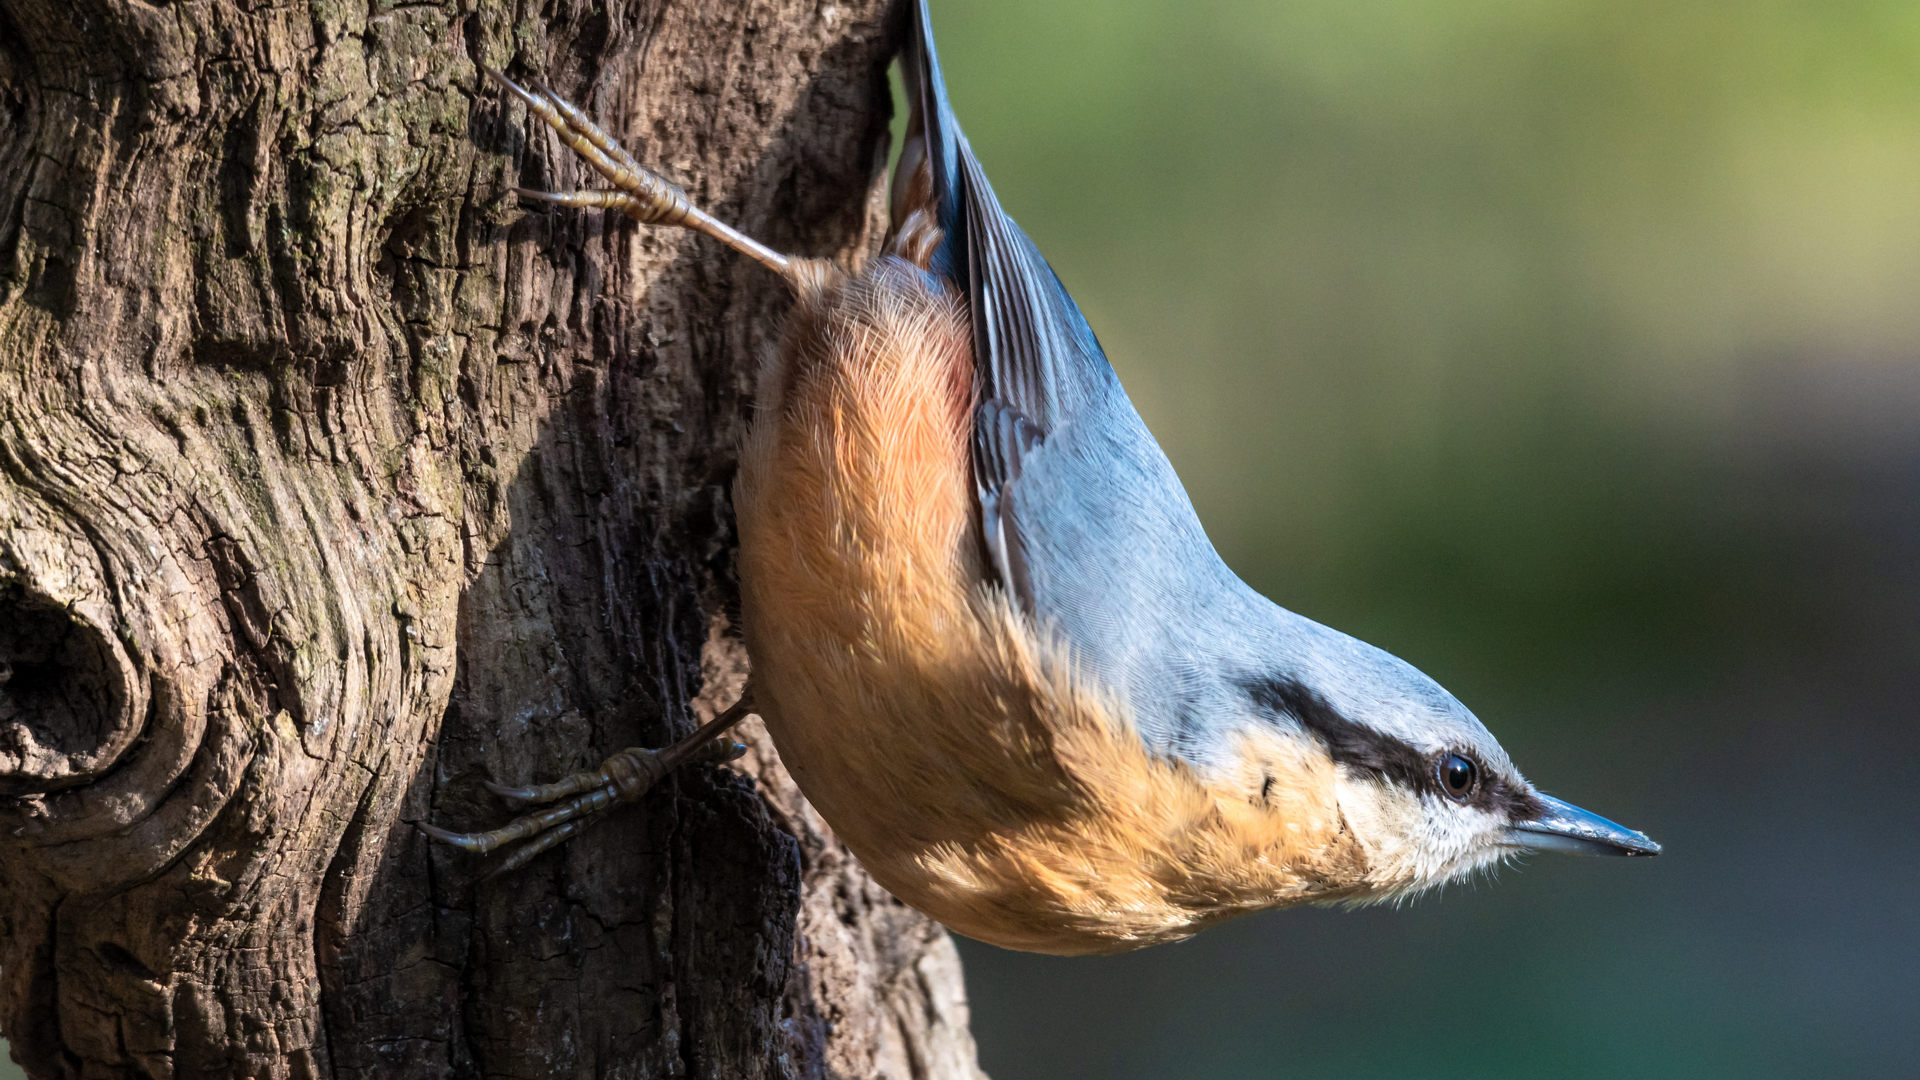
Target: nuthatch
<point x="989" y="637"/>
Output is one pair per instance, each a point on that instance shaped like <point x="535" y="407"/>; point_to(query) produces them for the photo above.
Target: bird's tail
<point x="933" y="139"/>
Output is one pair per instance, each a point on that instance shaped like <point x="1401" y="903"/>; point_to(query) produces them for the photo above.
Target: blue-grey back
<point x="1111" y="554"/>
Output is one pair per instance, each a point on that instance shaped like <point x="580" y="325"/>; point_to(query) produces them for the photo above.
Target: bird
<point x="988" y="635"/>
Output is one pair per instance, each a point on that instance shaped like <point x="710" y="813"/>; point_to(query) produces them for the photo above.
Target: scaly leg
<point x="624" y="777"/>
<point x="643" y="195"/>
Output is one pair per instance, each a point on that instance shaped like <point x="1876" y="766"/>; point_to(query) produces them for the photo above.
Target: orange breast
<point x="854" y="497"/>
<point x="944" y="737"/>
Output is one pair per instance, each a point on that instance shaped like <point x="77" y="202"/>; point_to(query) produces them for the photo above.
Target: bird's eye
<point x="1457" y="777"/>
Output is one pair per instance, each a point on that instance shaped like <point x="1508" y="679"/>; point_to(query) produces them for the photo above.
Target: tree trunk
<point x="333" y="481"/>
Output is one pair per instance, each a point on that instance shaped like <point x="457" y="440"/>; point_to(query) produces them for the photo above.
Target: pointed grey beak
<point x="1565" y="827"/>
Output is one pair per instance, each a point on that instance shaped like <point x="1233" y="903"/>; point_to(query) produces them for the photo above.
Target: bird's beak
<point x="1565" y="827"/>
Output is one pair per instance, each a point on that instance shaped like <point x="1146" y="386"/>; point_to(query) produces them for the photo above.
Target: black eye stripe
<point x="1360" y="747"/>
<point x="1348" y="743"/>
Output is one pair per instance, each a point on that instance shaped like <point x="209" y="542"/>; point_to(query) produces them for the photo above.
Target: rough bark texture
<point x="332" y="481"/>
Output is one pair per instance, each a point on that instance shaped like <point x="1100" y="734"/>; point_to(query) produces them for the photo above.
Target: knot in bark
<point x="64" y="713"/>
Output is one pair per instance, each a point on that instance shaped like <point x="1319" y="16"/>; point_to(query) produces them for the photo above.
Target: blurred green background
<point x="1571" y="351"/>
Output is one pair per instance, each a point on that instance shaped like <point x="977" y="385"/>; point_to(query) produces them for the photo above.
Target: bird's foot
<point x="581" y="799"/>
<point x="640" y="193"/>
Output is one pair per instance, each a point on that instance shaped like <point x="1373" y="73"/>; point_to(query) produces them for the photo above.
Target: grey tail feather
<point x="932" y="120"/>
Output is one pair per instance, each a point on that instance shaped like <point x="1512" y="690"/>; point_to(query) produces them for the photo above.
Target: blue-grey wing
<point x="1037" y="364"/>
<point x="1083" y="518"/>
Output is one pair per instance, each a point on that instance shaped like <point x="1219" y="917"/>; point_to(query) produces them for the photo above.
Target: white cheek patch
<point x="1388" y="822"/>
<point x="1416" y="842"/>
<point x="1457" y="841"/>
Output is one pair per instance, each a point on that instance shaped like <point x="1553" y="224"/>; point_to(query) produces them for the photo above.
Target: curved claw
<point x="512" y="87"/>
<point x="527" y="794"/>
<point x="474" y="842"/>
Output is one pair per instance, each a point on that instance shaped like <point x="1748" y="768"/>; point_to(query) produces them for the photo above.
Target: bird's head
<point x="1423" y="787"/>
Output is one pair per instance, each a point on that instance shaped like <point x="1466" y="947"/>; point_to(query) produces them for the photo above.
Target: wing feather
<point x="1036" y="362"/>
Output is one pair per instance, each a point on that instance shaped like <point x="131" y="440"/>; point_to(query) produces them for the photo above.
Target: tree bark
<point x="333" y="480"/>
